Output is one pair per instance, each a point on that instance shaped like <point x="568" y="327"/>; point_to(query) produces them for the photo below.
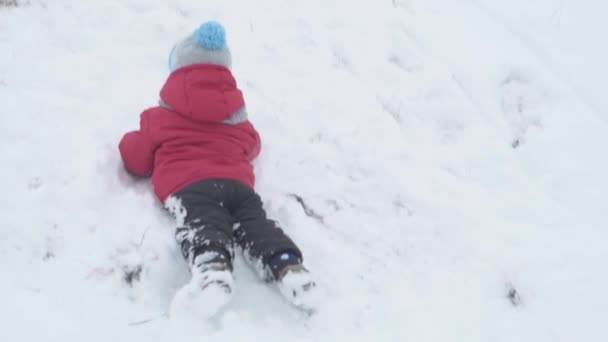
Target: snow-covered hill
<point x="441" y="163"/>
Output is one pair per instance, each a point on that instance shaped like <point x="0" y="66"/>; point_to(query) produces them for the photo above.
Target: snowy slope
<point x="452" y="155"/>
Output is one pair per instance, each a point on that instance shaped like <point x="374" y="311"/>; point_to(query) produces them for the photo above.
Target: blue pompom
<point x="211" y="36"/>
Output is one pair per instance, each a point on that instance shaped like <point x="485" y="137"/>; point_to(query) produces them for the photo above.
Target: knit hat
<point x="207" y="45"/>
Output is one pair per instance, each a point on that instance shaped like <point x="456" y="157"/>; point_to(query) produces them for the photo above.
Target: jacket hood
<point x="203" y="92"/>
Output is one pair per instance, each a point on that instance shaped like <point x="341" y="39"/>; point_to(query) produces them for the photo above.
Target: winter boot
<point x="209" y="290"/>
<point x="297" y="285"/>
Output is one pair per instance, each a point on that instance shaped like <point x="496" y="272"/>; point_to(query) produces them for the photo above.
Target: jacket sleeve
<point x="137" y="150"/>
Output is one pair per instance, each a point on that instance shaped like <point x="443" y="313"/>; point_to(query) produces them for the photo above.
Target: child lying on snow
<point x="198" y="146"/>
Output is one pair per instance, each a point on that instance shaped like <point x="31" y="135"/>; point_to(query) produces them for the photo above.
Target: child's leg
<point x="204" y="234"/>
<point x="265" y="245"/>
<point x="204" y="231"/>
<point x="275" y="256"/>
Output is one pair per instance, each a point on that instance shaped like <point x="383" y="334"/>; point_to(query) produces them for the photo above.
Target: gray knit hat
<point x="207" y="45"/>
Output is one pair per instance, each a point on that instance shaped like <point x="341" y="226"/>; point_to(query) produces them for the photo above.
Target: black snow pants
<point x="214" y="214"/>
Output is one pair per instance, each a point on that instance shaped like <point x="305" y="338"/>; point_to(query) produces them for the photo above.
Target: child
<point x="198" y="146"/>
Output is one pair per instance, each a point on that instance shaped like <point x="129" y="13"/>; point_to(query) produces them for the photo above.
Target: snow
<point x="440" y="163"/>
<point x="174" y="206"/>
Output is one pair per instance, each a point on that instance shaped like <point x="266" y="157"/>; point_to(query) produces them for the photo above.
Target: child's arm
<point x="137" y="150"/>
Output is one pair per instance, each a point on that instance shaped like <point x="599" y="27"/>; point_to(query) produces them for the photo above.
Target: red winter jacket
<point x="190" y="142"/>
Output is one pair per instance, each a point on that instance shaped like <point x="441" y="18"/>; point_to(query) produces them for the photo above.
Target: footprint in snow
<point x="523" y="104"/>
